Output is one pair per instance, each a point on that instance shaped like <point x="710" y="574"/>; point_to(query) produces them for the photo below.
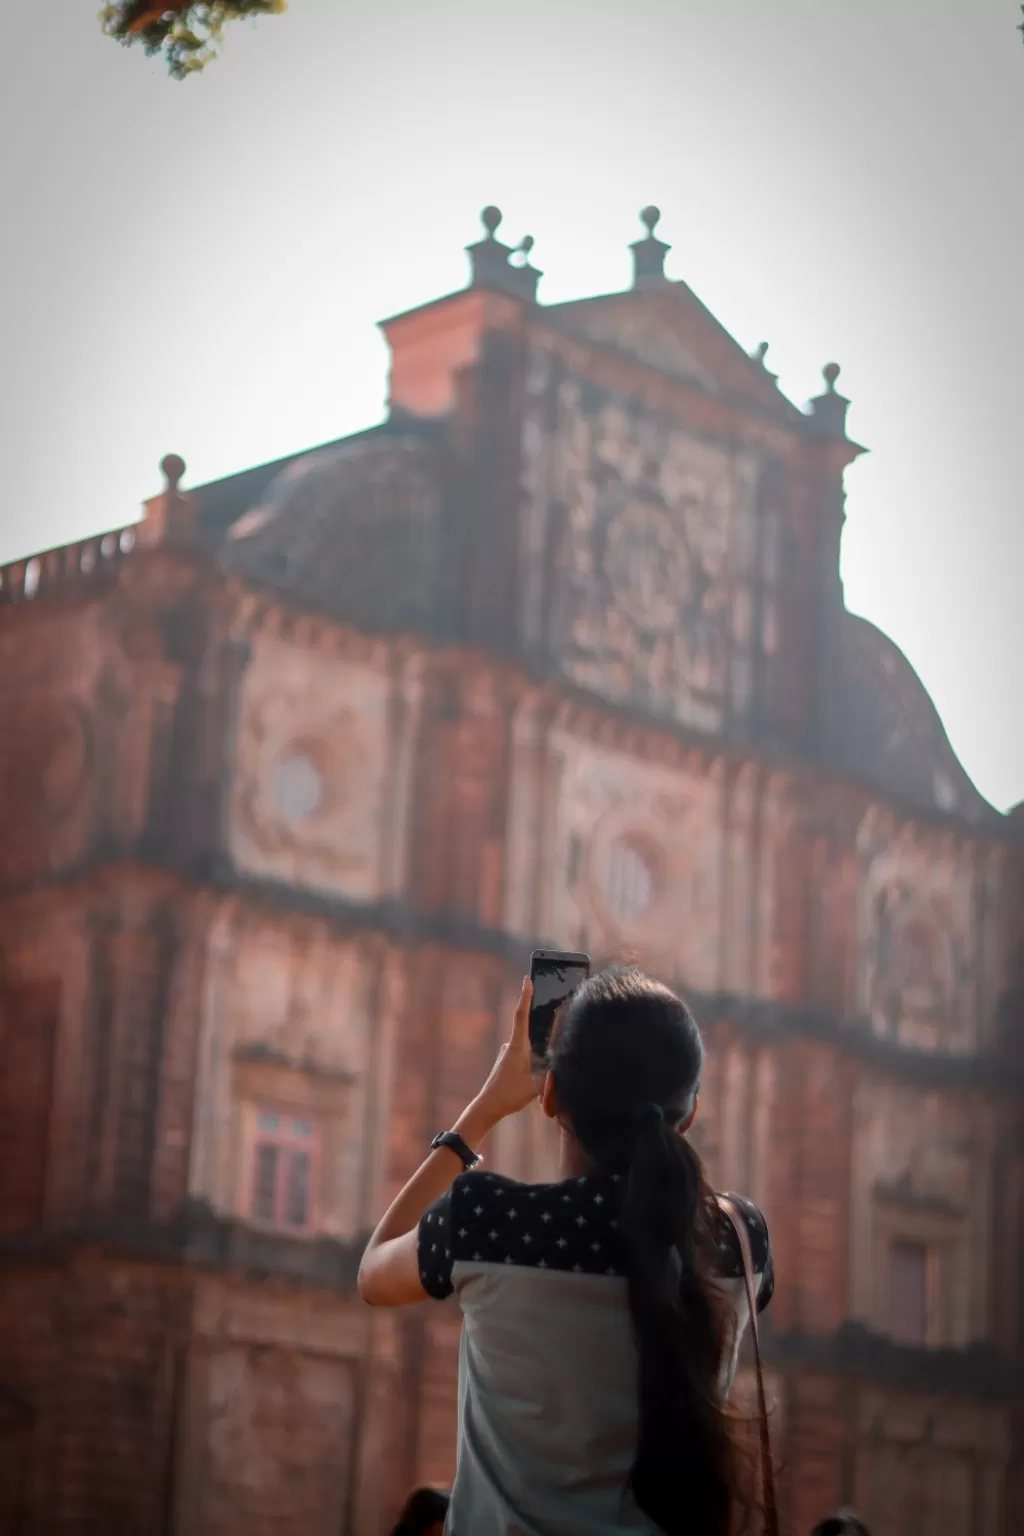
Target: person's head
<point x="423" y="1514"/>
<point x="625" y="1067"/>
<point x="843" y="1523"/>
<point x="625" y="1052"/>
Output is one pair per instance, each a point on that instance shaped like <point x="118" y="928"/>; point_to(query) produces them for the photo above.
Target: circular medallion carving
<point x="648" y="566"/>
<point x="297" y="785"/>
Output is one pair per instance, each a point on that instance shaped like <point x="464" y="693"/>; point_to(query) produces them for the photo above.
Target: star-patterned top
<point x="571" y="1226"/>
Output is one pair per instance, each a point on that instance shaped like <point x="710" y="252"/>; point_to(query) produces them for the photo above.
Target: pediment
<point x="669" y="329"/>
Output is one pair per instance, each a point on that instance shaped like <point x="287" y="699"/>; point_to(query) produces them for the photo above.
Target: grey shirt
<point x="547" y="1368"/>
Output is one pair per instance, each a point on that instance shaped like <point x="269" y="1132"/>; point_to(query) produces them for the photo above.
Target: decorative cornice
<point x="764" y="1021"/>
<point x="761" y="1021"/>
<point x="854" y="1350"/>
<point x="610" y="723"/>
<point x="200" y="1238"/>
<point x="265" y="608"/>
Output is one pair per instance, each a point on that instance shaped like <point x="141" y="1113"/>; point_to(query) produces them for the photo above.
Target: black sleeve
<point x="730" y="1260"/>
<point x="434" y="1248"/>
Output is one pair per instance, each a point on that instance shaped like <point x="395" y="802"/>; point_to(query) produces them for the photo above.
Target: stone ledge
<point x="761" y="1020"/>
<point x="202" y="1239"/>
<point x="854" y="1350"/>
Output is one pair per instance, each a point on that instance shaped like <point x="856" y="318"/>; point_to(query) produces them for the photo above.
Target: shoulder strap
<point x="739" y="1225"/>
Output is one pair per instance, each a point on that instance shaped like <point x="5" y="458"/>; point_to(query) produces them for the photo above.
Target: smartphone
<point x="555" y="975"/>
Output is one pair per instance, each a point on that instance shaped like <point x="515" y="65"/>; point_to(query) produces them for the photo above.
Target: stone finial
<point x="170" y="517"/>
<point x="491" y="266"/>
<point x="522" y="276"/>
<point x="759" y="355"/>
<point x="828" y="411"/>
<point x="650" y="252"/>
<point x="172" y="467"/>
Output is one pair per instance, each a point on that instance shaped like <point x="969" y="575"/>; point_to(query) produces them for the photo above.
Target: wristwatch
<point x="461" y="1148"/>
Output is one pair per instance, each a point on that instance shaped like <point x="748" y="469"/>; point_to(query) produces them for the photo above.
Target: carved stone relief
<point x="310" y="775"/>
<point x="650" y="532"/>
<point x="919" y="977"/>
<point x="635" y="864"/>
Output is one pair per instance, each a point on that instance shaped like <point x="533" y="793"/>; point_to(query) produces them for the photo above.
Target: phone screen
<point x="555" y="978"/>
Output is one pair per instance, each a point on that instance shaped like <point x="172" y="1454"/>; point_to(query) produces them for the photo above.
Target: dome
<point x="890" y="731"/>
<point x="353" y="530"/>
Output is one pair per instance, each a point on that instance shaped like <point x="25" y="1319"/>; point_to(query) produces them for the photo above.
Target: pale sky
<point x="198" y="267"/>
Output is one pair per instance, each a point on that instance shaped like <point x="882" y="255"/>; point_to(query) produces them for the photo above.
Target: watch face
<point x="647" y="566"/>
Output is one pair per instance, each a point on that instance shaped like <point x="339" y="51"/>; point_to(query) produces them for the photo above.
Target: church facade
<point x="296" y="772"/>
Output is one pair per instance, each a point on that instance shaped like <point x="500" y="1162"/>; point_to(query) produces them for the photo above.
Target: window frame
<point x="898" y="1216"/>
<point x="905" y="1245"/>
<point x="288" y="1144"/>
<point x="627" y="866"/>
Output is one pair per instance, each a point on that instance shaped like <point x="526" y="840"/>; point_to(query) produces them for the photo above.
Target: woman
<point x="602" y="1313"/>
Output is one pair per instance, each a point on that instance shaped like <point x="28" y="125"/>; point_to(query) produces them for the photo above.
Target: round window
<point x="298" y="788"/>
<point x="629" y="883"/>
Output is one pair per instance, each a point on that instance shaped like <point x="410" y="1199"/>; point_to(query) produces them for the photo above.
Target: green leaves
<point x="186" y="32"/>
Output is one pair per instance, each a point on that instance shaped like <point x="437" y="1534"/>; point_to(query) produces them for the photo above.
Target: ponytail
<point x="423" y="1510"/>
<point x="626" y="1061"/>
<point x="684" y="1474"/>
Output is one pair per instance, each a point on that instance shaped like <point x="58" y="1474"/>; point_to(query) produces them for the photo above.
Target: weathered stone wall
<point x="646" y="572"/>
<point x="320" y="782"/>
<point x="931" y="935"/>
<point x="92" y="1349"/>
<point x="290" y="1018"/>
<point x="64" y="781"/>
<point x="252" y="857"/>
<point x="99" y="994"/>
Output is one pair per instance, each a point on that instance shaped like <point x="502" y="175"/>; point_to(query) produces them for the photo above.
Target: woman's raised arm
<point x="389" y="1274"/>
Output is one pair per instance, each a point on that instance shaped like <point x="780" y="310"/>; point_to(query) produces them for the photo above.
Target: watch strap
<point x="461" y="1148"/>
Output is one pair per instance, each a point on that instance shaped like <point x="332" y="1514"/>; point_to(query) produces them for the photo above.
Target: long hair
<point x="626" y="1060"/>
<point x="424" y="1509"/>
<point x="844" y="1523"/>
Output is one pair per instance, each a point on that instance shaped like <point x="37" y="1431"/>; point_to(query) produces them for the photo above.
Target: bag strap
<point x="739" y="1225"/>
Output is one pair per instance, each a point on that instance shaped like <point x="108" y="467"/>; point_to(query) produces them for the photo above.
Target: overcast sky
<point x="199" y="267"/>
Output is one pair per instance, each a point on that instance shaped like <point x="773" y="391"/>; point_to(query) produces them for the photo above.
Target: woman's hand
<point x="389" y="1273"/>
<point x="513" y="1083"/>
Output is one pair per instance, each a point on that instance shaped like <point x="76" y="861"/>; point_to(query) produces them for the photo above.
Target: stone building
<point x="294" y="773"/>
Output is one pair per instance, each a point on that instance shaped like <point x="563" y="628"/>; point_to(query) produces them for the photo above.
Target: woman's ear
<point x="548" y="1098"/>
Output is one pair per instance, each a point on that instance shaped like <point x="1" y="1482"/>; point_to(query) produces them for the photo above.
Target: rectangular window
<point x="283" y="1160"/>
<point x="908" y="1293"/>
<point x="297" y="1201"/>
